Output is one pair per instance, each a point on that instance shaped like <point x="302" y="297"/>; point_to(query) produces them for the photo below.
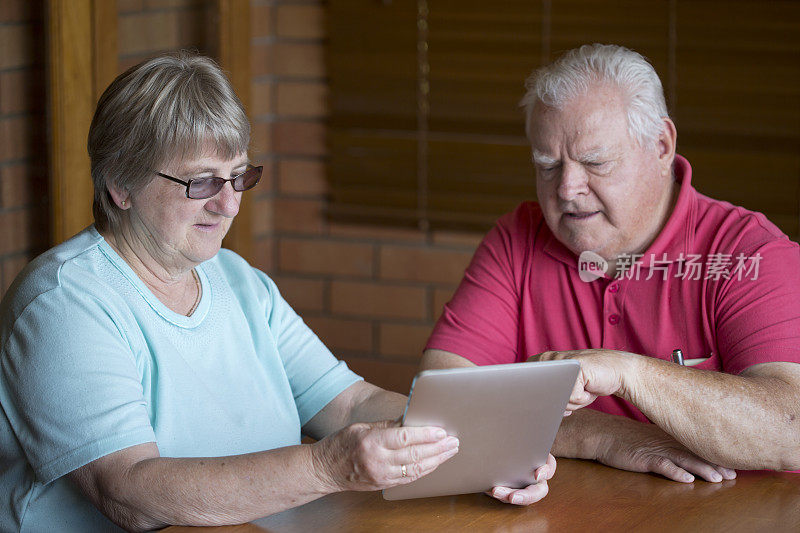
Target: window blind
<point x="425" y="128"/>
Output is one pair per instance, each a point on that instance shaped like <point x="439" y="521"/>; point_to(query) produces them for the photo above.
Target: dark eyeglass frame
<point x="216" y="179"/>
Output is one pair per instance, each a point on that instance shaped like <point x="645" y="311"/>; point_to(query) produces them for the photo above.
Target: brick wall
<point x="149" y="27"/>
<point x="23" y="152"/>
<point x="372" y="294"/>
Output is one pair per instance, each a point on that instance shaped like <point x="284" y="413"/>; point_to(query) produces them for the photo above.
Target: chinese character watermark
<point x="689" y="267"/>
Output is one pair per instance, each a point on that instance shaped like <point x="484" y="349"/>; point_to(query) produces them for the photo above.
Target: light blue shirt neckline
<point x="162" y="310"/>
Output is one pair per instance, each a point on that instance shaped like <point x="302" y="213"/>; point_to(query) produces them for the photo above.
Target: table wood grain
<point x="584" y="496"/>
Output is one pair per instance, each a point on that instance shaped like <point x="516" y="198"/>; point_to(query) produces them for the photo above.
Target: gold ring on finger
<point x="403" y="471"/>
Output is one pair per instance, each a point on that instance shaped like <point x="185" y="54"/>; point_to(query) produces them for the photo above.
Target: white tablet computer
<point x="505" y="417"/>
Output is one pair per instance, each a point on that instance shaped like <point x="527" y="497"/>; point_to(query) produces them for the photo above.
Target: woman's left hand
<point x="531" y="493"/>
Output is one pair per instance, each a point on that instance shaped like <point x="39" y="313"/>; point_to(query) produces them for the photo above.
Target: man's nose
<point x="573" y="181"/>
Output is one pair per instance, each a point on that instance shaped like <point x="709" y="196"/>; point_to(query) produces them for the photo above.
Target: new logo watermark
<point x="591" y="266"/>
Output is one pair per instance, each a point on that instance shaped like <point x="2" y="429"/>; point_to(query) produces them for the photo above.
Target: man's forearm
<point x="579" y="435"/>
<point x="745" y="422"/>
<point x="625" y="443"/>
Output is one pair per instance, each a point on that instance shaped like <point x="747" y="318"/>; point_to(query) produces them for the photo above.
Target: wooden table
<point x="584" y="496"/>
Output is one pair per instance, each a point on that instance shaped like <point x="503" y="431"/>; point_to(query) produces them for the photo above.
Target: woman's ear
<point x="120" y="197"/>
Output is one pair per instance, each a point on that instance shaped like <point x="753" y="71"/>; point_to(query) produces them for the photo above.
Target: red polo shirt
<point x="720" y="282"/>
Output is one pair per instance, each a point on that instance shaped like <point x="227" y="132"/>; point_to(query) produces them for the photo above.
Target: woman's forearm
<point x="139" y="490"/>
<point x="159" y="491"/>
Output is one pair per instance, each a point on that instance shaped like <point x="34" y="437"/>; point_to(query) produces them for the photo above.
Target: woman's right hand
<point x="371" y="456"/>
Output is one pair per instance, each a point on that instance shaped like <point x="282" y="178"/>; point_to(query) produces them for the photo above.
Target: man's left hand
<point x="603" y="372"/>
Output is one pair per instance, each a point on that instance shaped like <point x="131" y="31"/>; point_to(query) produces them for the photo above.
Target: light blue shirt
<point x="91" y="362"/>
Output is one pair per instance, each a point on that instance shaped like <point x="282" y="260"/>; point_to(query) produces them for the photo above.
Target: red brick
<point x="292" y="59"/>
<point x="303" y="99"/>
<point x="267" y="181"/>
<point x="156" y="4"/>
<point x="260" y="21"/>
<point x="403" y="340"/>
<point x="325" y="257"/>
<point x="263" y="254"/>
<point x="194" y="31"/>
<point x="20" y="10"/>
<point x="302" y="294"/>
<point x="17" y="136"/>
<point x="422" y="264"/>
<point x="302" y="177"/>
<point x="145" y="32"/>
<point x="390" y="375"/>
<point x="260" y="138"/>
<point x="372" y="300"/>
<point x="260" y="59"/>
<point x="11" y="267"/>
<point x="125" y="6"/>
<point x="469" y="240"/>
<point x="128" y="61"/>
<point x="300" y="138"/>
<point x="261" y="210"/>
<point x="299" y="216"/>
<point x="21" y="91"/>
<point x="21" y="185"/>
<point x="340" y="334"/>
<point x="378" y="233"/>
<point x="301" y="22"/>
<point x="17" y="231"/>
<point x="260" y="98"/>
<point x="16" y="46"/>
<point x="440" y="297"/>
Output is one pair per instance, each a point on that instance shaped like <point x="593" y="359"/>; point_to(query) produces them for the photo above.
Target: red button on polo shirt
<point x="613" y="320"/>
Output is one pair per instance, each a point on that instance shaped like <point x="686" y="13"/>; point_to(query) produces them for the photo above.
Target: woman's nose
<point x="226" y="201"/>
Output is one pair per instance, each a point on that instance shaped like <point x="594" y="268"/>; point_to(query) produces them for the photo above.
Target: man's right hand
<point x="631" y="445"/>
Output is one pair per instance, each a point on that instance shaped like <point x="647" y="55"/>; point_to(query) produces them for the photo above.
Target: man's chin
<point x="577" y="247"/>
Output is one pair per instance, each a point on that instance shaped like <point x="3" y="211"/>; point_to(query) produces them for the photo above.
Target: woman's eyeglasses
<point x="202" y="188"/>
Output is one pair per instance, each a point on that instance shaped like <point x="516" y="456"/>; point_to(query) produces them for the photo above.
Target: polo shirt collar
<point x="674" y="239"/>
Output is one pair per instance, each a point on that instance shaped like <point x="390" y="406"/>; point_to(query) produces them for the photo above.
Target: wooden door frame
<point x="82" y="62"/>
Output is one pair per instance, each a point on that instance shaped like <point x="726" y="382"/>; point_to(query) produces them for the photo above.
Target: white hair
<point x="579" y="69"/>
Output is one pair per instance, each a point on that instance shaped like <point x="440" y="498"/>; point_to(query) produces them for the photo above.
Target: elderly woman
<point x="149" y="378"/>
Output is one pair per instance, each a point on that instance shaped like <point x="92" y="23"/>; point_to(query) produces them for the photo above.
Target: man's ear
<point x="119" y="196"/>
<point x="667" y="143"/>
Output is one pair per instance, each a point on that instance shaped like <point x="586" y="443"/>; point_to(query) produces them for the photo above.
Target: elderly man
<point x="621" y="262"/>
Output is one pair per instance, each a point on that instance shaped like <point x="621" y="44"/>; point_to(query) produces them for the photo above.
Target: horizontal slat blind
<point x="480" y="53"/>
<point x="372" y="61"/>
<point x="731" y="72"/>
<point x="738" y="103"/>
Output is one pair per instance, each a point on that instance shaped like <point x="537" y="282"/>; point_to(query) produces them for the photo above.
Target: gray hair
<point x="578" y="69"/>
<point x="162" y="110"/>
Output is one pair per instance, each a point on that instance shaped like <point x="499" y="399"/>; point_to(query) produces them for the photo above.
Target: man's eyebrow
<point x="541" y="159"/>
<point x="594" y="154"/>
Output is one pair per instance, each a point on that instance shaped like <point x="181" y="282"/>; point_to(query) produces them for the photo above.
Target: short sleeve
<point x="481" y="321"/>
<point x="757" y="312"/>
<point x="315" y="375"/>
<point x="70" y="384"/>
